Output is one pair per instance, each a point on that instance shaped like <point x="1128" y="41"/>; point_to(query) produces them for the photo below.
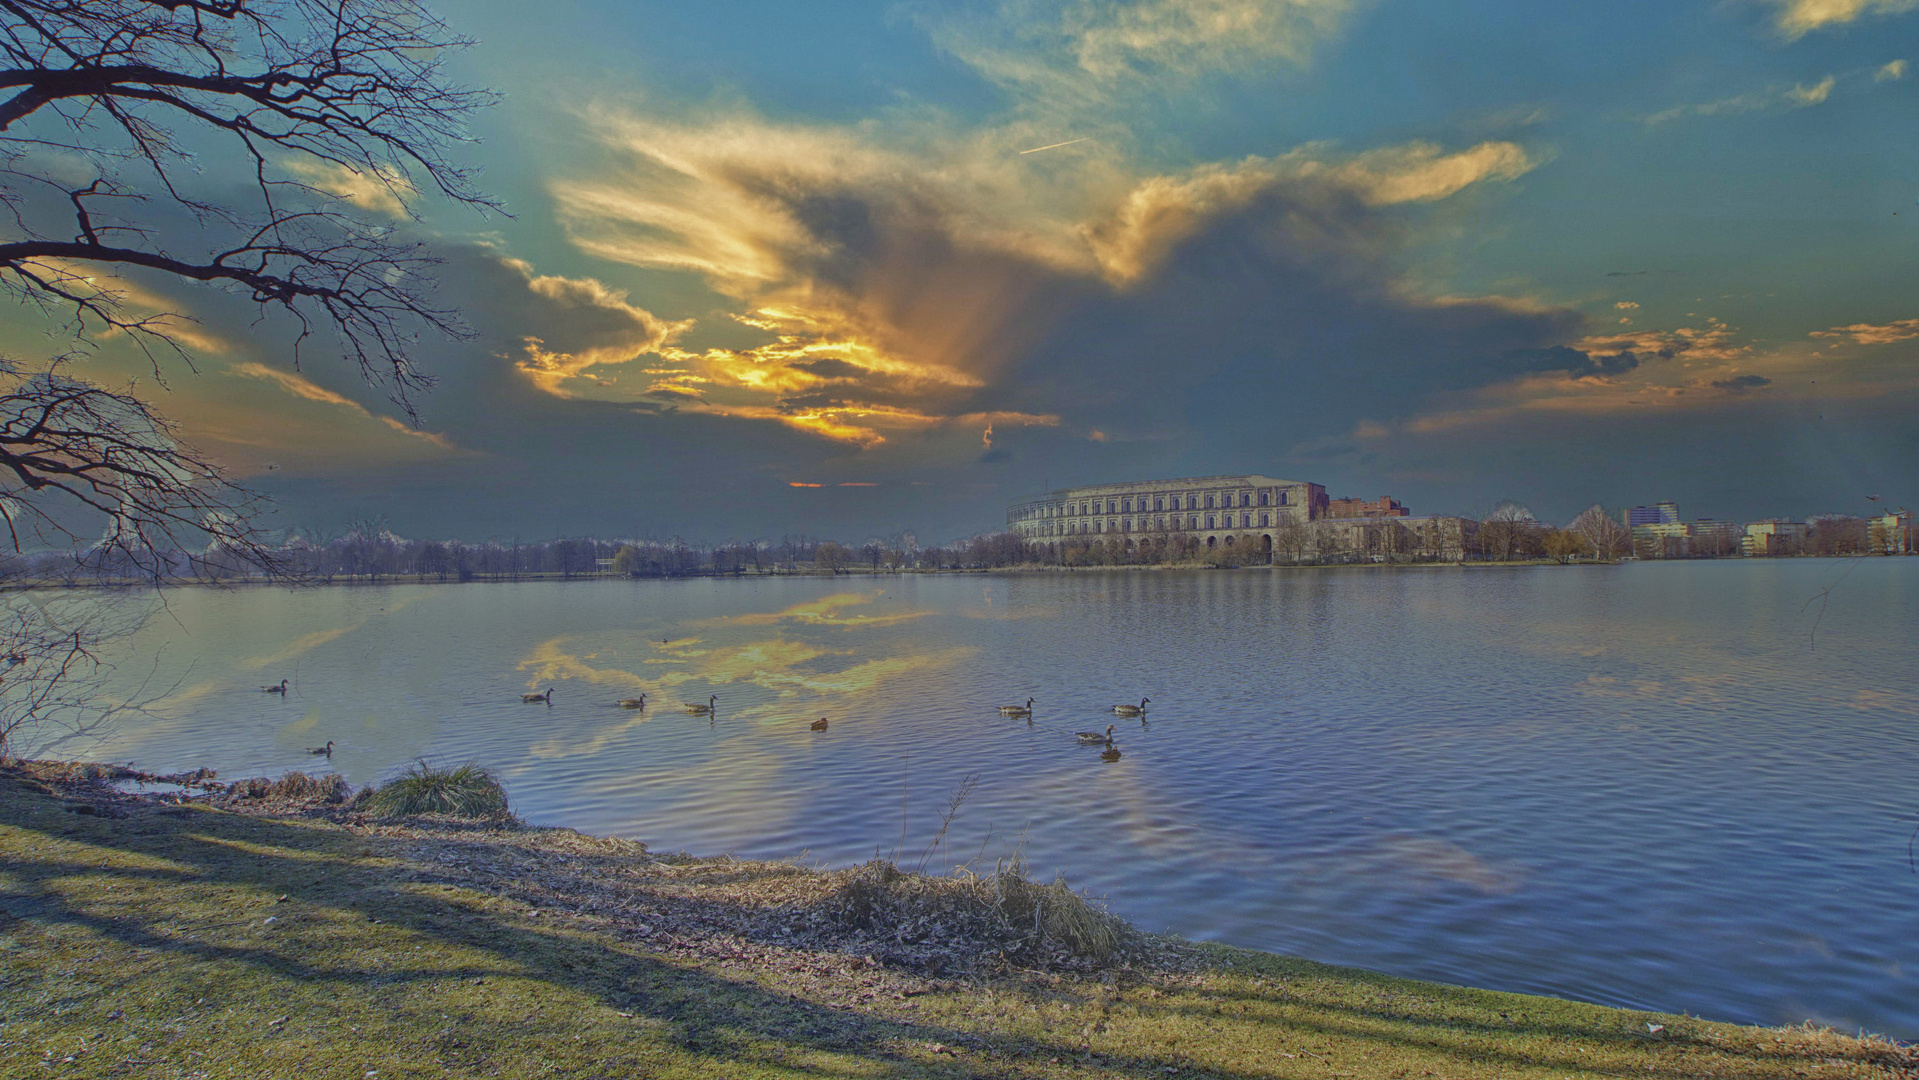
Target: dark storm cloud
<point x="1278" y="324"/>
<point x="1575" y="362"/>
<point x="1739" y="384"/>
<point x="831" y="368"/>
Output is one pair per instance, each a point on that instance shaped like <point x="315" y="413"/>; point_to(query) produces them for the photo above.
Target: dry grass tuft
<point x="466" y="791"/>
<point x="1002" y="917"/>
<point x="295" y="787"/>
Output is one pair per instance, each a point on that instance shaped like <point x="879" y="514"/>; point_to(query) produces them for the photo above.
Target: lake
<point x="1651" y="785"/>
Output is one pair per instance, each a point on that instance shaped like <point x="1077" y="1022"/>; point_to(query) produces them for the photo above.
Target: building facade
<point x="1774" y="537"/>
<point x="1660" y="513"/>
<point x="1434" y="538"/>
<point x="1383" y="507"/>
<point x="1213" y="510"/>
<point x="1892" y="534"/>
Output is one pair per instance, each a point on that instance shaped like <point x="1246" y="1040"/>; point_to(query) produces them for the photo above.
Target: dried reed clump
<point x="294" y="787"/>
<point x="466" y="791"/>
<point x="968" y="918"/>
<point x="70" y="772"/>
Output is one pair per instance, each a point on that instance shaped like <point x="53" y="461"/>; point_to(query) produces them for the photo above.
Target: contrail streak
<point x="1056" y="146"/>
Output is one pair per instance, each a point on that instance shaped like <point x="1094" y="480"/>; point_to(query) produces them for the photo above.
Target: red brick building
<point x="1383" y="507"/>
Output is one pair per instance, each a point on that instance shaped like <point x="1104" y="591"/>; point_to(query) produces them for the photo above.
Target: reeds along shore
<point x="276" y="928"/>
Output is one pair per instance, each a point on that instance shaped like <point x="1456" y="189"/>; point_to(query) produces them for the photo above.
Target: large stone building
<point x="1278" y="520"/>
<point x="1214" y="510"/>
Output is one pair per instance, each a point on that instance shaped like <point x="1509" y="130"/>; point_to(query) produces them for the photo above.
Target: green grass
<point x="193" y="942"/>
<point x="467" y="791"/>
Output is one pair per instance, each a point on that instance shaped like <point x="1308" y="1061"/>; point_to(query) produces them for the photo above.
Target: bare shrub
<point x="1002" y="915"/>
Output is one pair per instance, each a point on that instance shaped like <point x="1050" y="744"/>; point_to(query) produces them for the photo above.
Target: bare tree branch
<point x="132" y="89"/>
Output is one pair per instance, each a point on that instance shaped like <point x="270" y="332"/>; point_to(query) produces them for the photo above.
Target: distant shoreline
<point x="334" y="580"/>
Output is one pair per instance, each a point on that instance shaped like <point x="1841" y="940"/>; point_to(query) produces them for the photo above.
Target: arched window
<point x="1262" y="498"/>
<point x="1264" y="521"/>
<point x="1126" y="506"/>
<point x="1282" y="498"/>
<point x="1209" y="502"/>
<point x="1159" y="504"/>
<point x="1195" y="522"/>
<point x="1209" y="522"/>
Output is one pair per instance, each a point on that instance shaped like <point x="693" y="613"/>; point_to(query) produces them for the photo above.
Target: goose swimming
<point x="633" y="703"/>
<point x="1133" y="710"/>
<point x="326" y="750"/>
<point x="1095" y="737"/>
<point x="818" y="725"/>
<point x="1017" y="710"/>
<point x="280" y="689"/>
<point x="531" y="698"/>
<point x="702" y="710"/>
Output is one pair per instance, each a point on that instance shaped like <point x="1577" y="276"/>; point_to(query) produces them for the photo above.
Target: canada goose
<point x="1018" y="710"/>
<point x="531" y="698"/>
<point x="1133" y="710"/>
<point x="1091" y="737"/>
<point x="702" y="710"/>
<point x="818" y="725"/>
<point x="327" y="749"/>
<point x="280" y="689"/>
<point x="633" y="703"/>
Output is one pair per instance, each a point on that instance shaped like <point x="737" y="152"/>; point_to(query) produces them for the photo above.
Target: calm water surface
<point x="1638" y="785"/>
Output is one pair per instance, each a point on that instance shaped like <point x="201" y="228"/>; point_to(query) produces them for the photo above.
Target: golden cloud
<point x="1073" y="57"/>
<point x="612" y="330"/>
<point x="301" y="387"/>
<point x="1161" y="211"/>
<point x="383" y="191"/>
<point x="901" y="268"/>
<point x="1795" y="96"/>
<point x="1874" y="334"/>
<point x="1796" y="18"/>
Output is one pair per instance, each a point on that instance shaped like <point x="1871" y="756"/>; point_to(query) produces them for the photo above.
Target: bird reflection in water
<point x="1110" y="754"/>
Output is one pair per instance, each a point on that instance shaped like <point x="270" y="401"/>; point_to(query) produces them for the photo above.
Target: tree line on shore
<point x="369" y="551"/>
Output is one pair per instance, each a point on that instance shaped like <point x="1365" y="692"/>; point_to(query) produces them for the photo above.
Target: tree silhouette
<point x="122" y="126"/>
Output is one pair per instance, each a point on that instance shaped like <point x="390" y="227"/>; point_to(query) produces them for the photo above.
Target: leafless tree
<point x="110" y="99"/>
<point x="1509" y="532"/>
<point x="122" y="123"/>
<point x="1609" y="539"/>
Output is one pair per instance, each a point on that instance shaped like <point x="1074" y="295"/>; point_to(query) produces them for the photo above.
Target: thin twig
<point x="1822" y="596"/>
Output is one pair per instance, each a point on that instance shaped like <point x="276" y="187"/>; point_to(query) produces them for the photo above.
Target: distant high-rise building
<point x="1893" y="534"/>
<point x="1660" y="513"/>
<point x="1774" y="536"/>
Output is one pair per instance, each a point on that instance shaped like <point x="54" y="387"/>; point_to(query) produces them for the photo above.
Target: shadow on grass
<point x="228" y="868"/>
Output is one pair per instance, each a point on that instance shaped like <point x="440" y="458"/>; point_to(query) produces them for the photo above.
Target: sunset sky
<point x="851" y="268"/>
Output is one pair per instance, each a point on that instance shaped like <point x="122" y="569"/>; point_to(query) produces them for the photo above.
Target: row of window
<point x="1159" y="502"/>
<point x="1213" y="521"/>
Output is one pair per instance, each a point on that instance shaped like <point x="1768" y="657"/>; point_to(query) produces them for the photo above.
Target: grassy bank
<point x="145" y="939"/>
